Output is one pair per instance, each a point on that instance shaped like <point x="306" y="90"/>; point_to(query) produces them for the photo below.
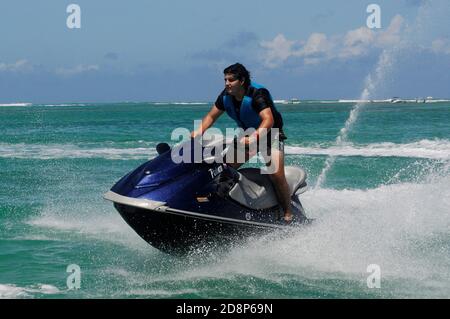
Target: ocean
<point x="381" y="208"/>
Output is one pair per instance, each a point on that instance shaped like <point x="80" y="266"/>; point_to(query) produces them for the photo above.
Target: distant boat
<point x="396" y="100"/>
<point x="416" y="100"/>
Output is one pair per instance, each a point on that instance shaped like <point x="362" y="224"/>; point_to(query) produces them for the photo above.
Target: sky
<point x="176" y="50"/>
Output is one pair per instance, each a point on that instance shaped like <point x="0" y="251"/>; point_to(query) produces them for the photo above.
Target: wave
<point x="60" y="151"/>
<point x="10" y="291"/>
<point x="64" y="104"/>
<point x="16" y="104"/>
<point x="429" y="149"/>
<point x="94" y="220"/>
<point x="320" y="101"/>
<point x="180" y="103"/>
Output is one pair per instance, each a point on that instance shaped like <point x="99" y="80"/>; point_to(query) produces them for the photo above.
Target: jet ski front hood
<point x="151" y="174"/>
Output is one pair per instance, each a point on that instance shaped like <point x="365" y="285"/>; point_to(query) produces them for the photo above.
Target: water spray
<point x="373" y="82"/>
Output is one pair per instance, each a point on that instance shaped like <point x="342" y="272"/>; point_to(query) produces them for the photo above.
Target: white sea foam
<point x="58" y="151"/>
<point x="89" y="221"/>
<point x="10" y="291"/>
<point x="15" y="104"/>
<point x="438" y="149"/>
<point x="67" y="222"/>
<point x="181" y="103"/>
<point x="403" y="228"/>
<point x="190" y="103"/>
<point x="64" y="104"/>
<point x="161" y="293"/>
<point x="430" y="149"/>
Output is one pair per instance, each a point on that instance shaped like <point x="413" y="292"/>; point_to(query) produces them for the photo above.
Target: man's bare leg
<point x="280" y="184"/>
<point x="278" y="178"/>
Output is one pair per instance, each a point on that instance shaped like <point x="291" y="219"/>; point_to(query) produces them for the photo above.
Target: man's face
<point x="232" y="84"/>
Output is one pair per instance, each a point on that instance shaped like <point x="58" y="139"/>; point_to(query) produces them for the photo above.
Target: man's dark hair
<point x="240" y="72"/>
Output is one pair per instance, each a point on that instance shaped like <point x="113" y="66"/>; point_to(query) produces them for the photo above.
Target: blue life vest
<point x="247" y="116"/>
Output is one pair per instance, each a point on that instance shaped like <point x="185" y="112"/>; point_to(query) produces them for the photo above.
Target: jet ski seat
<point x="255" y="190"/>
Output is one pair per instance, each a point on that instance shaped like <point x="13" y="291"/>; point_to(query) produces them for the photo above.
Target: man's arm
<point x="267" y="122"/>
<point x="208" y="120"/>
<point x="262" y="105"/>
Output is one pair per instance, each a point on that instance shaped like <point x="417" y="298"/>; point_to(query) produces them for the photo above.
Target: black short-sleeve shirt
<point x="260" y="100"/>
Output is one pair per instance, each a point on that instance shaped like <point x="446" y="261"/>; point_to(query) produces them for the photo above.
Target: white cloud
<point x="81" y="68"/>
<point x="357" y="42"/>
<point x="317" y="43"/>
<point x="278" y="50"/>
<point x="312" y="61"/>
<point x="358" y="36"/>
<point x="319" y="47"/>
<point x="392" y="34"/>
<point x="20" y="65"/>
<point x="441" y="46"/>
<point x="360" y="41"/>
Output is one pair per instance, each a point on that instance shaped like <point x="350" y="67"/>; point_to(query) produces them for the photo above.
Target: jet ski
<point x="177" y="206"/>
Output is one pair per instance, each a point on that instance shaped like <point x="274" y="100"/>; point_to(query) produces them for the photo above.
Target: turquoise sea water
<point x="385" y="201"/>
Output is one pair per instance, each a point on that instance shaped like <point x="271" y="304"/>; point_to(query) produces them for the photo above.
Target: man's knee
<point x="278" y="176"/>
<point x="275" y="168"/>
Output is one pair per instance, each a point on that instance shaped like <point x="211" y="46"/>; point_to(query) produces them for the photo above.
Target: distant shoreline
<point x="283" y="102"/>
